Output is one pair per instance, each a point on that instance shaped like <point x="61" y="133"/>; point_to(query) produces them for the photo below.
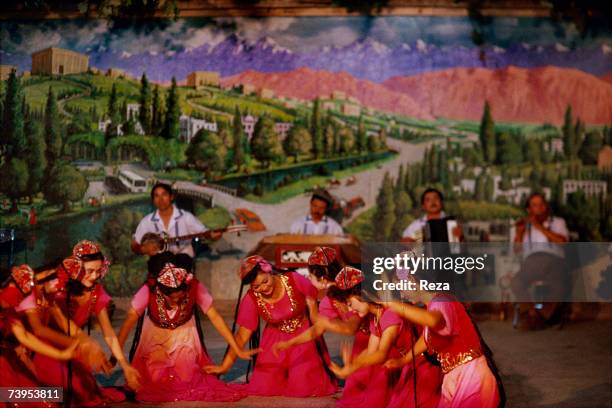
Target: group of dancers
<point x="426" y="353"/>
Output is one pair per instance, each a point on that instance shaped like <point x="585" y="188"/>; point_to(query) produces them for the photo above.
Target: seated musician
<point x="170" y="220"/>
<point x="317" y="222"/>
<point x="432" y="204"/>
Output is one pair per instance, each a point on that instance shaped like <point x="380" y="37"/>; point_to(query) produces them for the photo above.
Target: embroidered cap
<point x="86" y="247"/>
<point x="23" y="276"/>
<point x="322" y="256"/>
<point x="70" y="268"/>
<point x="250" y="262"/>
<point x="349" y="277"/>
<point x="171" y="276"/>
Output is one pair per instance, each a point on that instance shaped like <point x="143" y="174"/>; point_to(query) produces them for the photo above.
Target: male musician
<point x="432" y="204"/>
<point x="317" y="222"/>
<point x="170" y="220"/>
<point x="543" y="257"/>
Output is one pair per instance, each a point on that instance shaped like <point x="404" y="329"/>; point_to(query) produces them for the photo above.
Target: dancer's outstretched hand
<point x="69" y="352"/>
<point x="214" y="369"/>
<point x="132" y="377"/>
<point x="340" y="372"/>
<point x="279" y="346"/>
<point x="246" y="354"/>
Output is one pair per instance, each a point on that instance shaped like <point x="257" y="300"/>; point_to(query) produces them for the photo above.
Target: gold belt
<point x="289" y="325"/>
<point x="450" y="361"/>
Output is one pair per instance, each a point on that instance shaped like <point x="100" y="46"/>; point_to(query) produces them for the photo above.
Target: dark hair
<point x="250" y="277"/>
<point x="343" y="295"/>
<point x="157" y="262"/>
<point x="5" y="276"/>
<point x="98" y="256"/>
<point x="165" y="186"/>
<point x="75" y="287"/>
<point x="431" y="190"/>
<point x="328" y="272"/>
<point x="184" y="261"/>
<point x="324" y="196"/>
<point x="532" y="196"/>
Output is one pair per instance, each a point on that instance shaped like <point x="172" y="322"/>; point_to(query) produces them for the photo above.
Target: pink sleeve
<point x="327" y="309"/>
<point x="141" y="300"/>
<point x="203" y="298"/>
<point x="449" y="313"/>
<point x="389" y="318"/>
<point x="304" y="285"/>
<point x="26" y="304"/>
<point x="103" y="300"/>
<point x="248" y="317"/>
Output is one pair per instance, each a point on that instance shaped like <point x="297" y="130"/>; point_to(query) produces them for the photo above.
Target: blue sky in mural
<point x="368" y="48"/>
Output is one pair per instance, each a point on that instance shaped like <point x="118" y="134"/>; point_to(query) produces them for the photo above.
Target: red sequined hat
<point x="349" y="277"/>
<point x="322" y="256"/>
<point x="86" y="247"/>
<point x="251" y="262"/>
<point x="171" y="276"/>
<point x="23" y="276"/>
<point x="70" y="268"/>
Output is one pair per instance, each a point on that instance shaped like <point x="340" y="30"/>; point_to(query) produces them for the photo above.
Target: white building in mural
<point x="249" y="121"/>
<point x="132" y="110"/>
<point x="104" y="124"/>
<point x="282" y="129"/>
<point x="189" y="127"/>
<point x="591" y="188"/>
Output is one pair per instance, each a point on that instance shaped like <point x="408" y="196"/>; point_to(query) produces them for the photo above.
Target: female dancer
<point x="79" y="297"/>
<point x="284" y="302"/>
<point x="450" y="333"/>
<point x="169" y="354"/>
<point x="16" y="370"/>
<point x="390" y="337"/>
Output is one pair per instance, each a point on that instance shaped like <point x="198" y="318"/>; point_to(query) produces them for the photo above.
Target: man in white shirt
<point x="432" y="204"/>
<point x="170" y="220"/>
<point x="317" y="222"/>
<point x="541" y="236"/>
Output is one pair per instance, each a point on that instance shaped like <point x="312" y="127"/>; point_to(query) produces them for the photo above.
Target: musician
<point x="432" y="204"/>
<point x="541" y="234"/>
<point x="317" y="222"/>
<point x="171" y="220"/>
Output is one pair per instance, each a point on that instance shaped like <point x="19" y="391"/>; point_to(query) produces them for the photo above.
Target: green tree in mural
<point x="479" y="188"/>
<point x="144" y="113"/>
<point x="382" y="138"/>
<point x="589" y="150"/>
<point x="265" y="146"/>
<point x="238" y="138"/>
<point x="64" y="186"/>
<point x="360" y="137"/>
<point x="12" y="138"/>
<point x="487" y="134"/>
<point x="329" y="138"/>
<point x="346" y="141"/>
<point x="578" y="135"/>
<point x="316" y="130"/>
<point x="207" y="152"/>
<point x="297" y="142"/>
<point x="403" y="206"/>
<point x="36" y="158"/>
<point x="156" y="112"/>
<point x="569" y="139"/>
<point x="53" y="136"/>
<point x="384" y="214"/>
<point x="114" y="114"/>
<point x="532" y="151"/>
<point x="173" y="113"/>
<point x="508" y="149"/>
<point x="400" y="181"/>
<point x="14" y="180"/>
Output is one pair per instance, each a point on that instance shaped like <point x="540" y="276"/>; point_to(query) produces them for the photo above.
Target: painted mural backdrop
<point x="257" y="112"/>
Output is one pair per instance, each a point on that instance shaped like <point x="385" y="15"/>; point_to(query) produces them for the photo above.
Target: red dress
<point x="299" y="371"/>
<point x="468" y="381"/>
<point x="170" y="356"/>
<point x="54" y="373"/>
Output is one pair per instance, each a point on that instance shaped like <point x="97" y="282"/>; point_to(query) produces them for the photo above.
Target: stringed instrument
<point x="168" y="240"/>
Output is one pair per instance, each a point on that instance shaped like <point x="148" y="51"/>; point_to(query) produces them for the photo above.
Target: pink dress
<point x="468" y="382"/>
<point x="85" y="390"/>
<point x="13" y="372"/>
<point x="299" y="371"/>
<point x="170" y="356"/>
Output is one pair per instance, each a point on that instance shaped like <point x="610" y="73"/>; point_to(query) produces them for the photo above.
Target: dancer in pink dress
<point x="468" y="380"/>
<point x="284" y="302"/>
<point x="16" y="369"/>
<point x="170" y="355"/>
<point x="390" y="337"/>
<point x="81" y="296"/>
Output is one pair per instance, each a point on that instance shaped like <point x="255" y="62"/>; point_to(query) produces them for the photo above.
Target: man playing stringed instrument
<point x="171" y="222"/>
